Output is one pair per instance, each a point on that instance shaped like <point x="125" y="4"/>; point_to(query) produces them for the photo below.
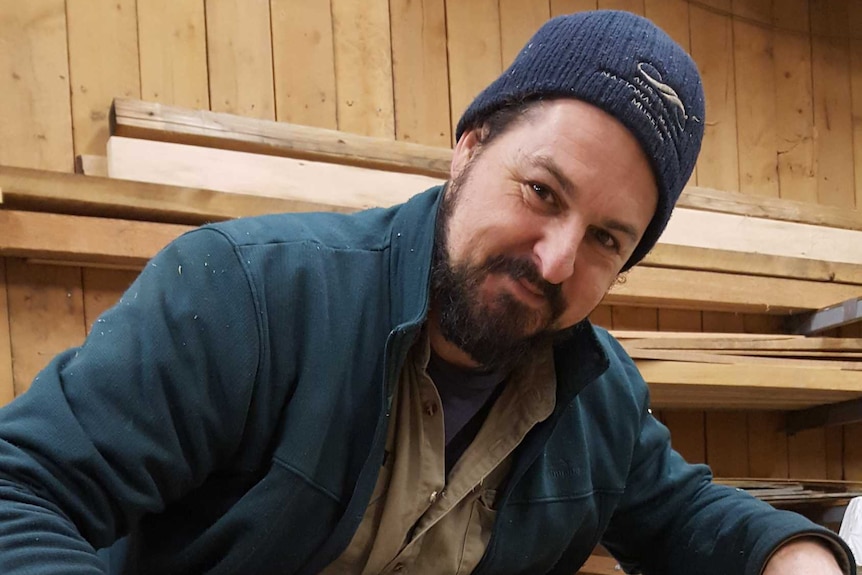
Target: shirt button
<point x="433" y="497"/>
<point x="430" y="409"/>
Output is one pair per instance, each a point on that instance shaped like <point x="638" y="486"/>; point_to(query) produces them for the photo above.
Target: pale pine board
<point x="35" y="112"/>
<point x="855" y="18"/>
<point x="794" y="104"/>
<point x="172" y="41"/>
<point x="475" y="53"/>
<point x="7" y="389"/>
<point x="755" y="110"/>
<point x="363" y="67"/>
<point x="46" y="315"/>
<point x="239" y="54"/>
<point x="103" y="63"/>
<point x="712" y="49"/>
<point x="419" y="59"/>
<point x="833" y="120"/>
<point x="304" y="62"/>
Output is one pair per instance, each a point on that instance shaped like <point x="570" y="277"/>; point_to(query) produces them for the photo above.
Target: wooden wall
<point x="784" y="99"/>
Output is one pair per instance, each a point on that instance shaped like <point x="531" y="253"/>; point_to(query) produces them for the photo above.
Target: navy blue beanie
<point x="625" y="65"/>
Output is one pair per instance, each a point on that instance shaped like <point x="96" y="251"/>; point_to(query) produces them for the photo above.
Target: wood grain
<point x="832" y="103"/>
<point x="173" y="53"/>
<point x="304" y="62"/>
<point x="475" y="52"/>
<point x="239" y="56"/>
<point x="7" y="389"/>
<point x="46" y="316"/>
<point x="363" y="67"/>
<point x="560" y="7"/>
<point x="419" y="58"/>
<point x="712" y="48"/>
<point x="35" y="112"/>
<point x="103" y="64"/>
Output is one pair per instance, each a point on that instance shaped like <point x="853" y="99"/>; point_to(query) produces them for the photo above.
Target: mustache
<point x="521" y="268"/>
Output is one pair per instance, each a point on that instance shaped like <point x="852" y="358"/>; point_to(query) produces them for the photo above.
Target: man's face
<point x="535" y="228"/>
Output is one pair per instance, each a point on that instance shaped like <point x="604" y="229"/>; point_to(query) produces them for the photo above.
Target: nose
<point x="557" y="249"/>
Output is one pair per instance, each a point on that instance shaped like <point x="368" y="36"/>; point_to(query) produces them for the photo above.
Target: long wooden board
<point x="153" y="121"/>
<point x="260" y="175"/>
<point x="360" y="187"/>
<point x="39" y="190"/>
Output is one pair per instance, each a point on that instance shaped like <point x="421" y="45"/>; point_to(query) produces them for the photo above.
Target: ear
<point x="464" y="149"/>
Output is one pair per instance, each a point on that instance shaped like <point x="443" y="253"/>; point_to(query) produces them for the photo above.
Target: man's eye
<point x="606" y="239"/>
<point x="542" y="192"/>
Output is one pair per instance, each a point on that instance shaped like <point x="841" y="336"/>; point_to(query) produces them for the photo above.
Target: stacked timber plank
<point x="740" y="371"/>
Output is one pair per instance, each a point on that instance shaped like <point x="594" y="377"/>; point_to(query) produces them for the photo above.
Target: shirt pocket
<point x="483" y="513"/>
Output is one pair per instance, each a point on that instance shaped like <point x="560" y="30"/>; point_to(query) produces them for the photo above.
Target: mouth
<point x="527" y="292"/>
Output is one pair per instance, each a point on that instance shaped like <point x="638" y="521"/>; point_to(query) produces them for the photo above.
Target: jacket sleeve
<point x="154" y="399"/>
<point x="673" y="520"/>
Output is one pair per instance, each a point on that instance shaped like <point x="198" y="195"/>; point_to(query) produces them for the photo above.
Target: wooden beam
<point x="83" y="240"/>
<point x="756" y="264"/>
<point x="38" y="190"/>
<point x="676" y="384"/>
<point x="680" y="288"/>
<point x="153" y="121"/>
<point x="739" y="359"/>
<point x="260" y="175"/>
<point x="776" y="343"/>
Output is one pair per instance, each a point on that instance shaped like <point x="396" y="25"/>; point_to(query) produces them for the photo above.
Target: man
<point x="392" y="392"/>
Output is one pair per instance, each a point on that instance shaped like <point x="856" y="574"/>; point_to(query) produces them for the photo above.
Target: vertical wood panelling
<point x="420" y="72"/>
<point x="794" y="104"/>
<point x="636" y="6"/>
<point x="767" y="444"/>
<point x="723" y="322"/>
<point x="853" y="452"/>
<point x="35" y="112"/>
<point x="560" y="7"/>
<point x="172" y="39"/>
<point x="46" y="315"/>
<point x="712" y="49"/>
<point x="757" y="10"/>
<point x="834" y="453"/>
<point x="475" y="58"/>
<point x="519" y="20"/>
<point x="239" y="50"/>
<point x="7" y="389"/>
<point x="103" y="65"/>
<point x="679" y="320"/>
<point x="807" y="451"/>
<point x="102" y="289"/>
<point x="687" y="433"/>
<point x="727" y="443"/>
<point x="634" y="318"/>
<point x="755" y="109"/>
<point x="602" y="316"/>
<point x="854" y="10"/>
<point x="832" y="103"/>
<point x="304" y="63"/>
<point x="363" y="67"/>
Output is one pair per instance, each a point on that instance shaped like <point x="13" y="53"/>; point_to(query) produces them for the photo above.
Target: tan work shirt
<point x="419" y="521"/>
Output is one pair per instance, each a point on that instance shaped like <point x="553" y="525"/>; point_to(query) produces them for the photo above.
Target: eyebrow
<point x="549" y="165"/>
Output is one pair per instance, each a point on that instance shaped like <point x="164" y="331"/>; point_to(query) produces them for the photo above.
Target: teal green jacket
<point x="228" y="416"/>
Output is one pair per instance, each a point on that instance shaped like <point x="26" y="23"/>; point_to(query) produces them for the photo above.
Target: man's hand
<point x="806" y="556"/>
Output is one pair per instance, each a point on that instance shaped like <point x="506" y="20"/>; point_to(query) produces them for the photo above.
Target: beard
<point x="497" y="332"/>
